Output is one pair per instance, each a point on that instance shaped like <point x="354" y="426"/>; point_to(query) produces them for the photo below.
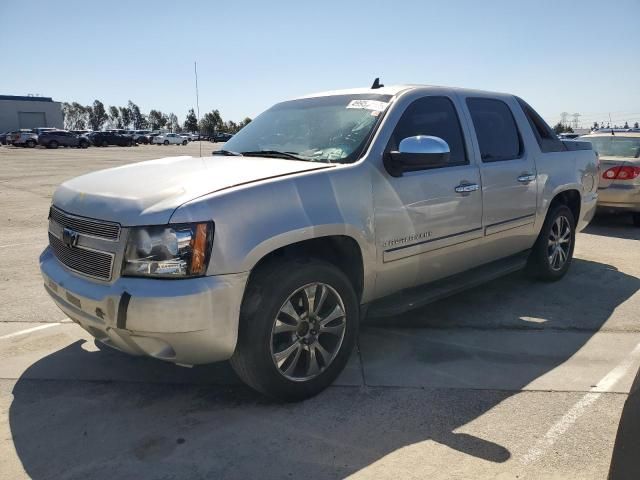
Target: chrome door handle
<point x="526" y="178"/>
<point x="467" y="188"/>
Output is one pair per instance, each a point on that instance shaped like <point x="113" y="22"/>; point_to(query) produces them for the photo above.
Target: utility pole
<point x="564" y="118"/>
<point x="576" y="120"/>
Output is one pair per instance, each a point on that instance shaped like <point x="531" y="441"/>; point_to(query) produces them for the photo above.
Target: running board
<point x="416" y="297"/>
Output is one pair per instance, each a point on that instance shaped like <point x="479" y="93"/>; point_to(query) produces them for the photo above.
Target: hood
<point x="147" y="193"/>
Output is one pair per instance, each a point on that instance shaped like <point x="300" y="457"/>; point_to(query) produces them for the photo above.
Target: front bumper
<point x="188" y="321"/>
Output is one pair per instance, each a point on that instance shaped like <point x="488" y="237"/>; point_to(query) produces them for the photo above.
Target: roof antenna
<point x="376" y="84"/>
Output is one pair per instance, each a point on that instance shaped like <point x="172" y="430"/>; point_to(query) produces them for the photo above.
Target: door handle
<point x="526" y="178"/>
<point x="467" y="188"/>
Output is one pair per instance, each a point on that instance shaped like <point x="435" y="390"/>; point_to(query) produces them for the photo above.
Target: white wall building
<point x="18" y="112"/>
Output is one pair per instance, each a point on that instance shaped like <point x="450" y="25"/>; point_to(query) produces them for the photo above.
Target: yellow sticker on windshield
<point x="374" y="105"/>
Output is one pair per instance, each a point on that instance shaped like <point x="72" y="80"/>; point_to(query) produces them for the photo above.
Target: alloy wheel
<point x="308" y="331"/>
<point x="559" y="243"/>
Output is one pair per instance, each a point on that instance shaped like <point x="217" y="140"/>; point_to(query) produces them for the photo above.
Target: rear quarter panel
<point x="563" y="171"/>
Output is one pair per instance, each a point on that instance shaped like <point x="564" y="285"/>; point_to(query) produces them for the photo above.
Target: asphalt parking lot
<point x="514" y="379"/>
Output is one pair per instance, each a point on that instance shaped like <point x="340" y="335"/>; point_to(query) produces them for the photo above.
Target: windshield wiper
<point x="272" y="153"/>
<point x="227" y="153"/>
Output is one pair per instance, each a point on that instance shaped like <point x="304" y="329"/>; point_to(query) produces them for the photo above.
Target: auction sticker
<point x="374" y="105"/>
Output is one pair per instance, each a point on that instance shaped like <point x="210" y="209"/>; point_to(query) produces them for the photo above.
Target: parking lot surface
<point x="513" y="379"/>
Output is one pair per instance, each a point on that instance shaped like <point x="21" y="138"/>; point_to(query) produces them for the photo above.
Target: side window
<point x="496" y="130"/>
<point x="435" y="116"/>
<point x="545" y="137"/>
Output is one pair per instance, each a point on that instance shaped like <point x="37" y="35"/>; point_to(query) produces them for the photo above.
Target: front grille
<point x="86" y="226"/>
<point x="88" y="262"/>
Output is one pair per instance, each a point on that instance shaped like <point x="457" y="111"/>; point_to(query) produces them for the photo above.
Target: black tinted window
<point x="435" y="116"/>
<point x="545" y="137"/>
<point x="496" y="129"/>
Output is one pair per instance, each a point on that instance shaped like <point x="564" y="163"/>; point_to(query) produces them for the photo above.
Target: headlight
<point x="168" y="251"/>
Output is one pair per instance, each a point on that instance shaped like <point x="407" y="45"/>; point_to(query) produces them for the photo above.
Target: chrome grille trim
<point x="86" y="261"/>
<point x="85" y="226"/>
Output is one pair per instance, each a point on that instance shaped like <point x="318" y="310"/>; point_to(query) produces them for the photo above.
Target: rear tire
<point x="84" y="144"/>
<point x="166" y="142"/>
<point x="105" y="143"/>
<point x="53" y="144"/>
<point x="184" y="142"/>
<point x="552" y="253"/>
<point x="31" y="143"/>
<point x="636" y="219"/>
<point x="306" y="355"/>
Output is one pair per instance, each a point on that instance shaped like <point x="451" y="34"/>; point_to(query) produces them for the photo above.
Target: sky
<point x="566" y="56"/>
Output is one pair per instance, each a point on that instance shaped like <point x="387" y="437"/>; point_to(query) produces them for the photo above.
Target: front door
<point x="425" y="224"/>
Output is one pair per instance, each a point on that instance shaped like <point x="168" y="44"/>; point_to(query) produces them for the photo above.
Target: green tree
<point x="114" y="117"/>
<point x="191" y="122"/>
<point x="137" y="118"/>
<point x="635" y="125"/>
<point x="172" y="123"/>
<point x="210" y="122"/>
<point x="125" y="117"/>
<point x="75" y="116"/>
<point x="157" y="119"/>
<point x="595" y="126"/>
<point x="97" y="115"/>
<point x="626" y="125"/>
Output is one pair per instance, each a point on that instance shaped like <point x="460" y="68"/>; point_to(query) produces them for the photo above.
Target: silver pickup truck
<point x="270" y="251"/>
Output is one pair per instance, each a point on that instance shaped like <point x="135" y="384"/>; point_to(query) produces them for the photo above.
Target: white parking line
<point x="29" y="330"/>
<point x="579" y="408"/>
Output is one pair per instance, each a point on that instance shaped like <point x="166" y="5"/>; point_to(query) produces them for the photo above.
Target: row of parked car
<point x="54" y="138"/>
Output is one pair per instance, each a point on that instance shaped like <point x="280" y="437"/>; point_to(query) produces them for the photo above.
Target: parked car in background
<point x="62" y="138"/>
<point x="23" y="138"/>
<point x="619" y="188"/>
<point x="568" y="136"/>
<point x="192" y="137"/>
<point x="362" y="198"/>
<point x="104" y="139"/>
<point x="3" y="138"/>
<point x="141" y="136"/>
<point x="169" y="139"/>
<point x="81" y="132"/>
<point x="221" y="137"/>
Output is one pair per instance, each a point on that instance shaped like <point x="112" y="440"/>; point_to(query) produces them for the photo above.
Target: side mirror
<point x="417" y="153"/>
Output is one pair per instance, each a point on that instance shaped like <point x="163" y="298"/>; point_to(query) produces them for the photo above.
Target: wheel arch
<point x="571" y="198"/>
<point x="342" y="251"/>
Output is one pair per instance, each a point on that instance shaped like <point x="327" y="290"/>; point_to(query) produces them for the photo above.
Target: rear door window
<point x="496" y="130"/>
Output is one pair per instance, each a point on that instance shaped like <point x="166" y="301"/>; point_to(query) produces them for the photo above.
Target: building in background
<point x="18" y="112"/>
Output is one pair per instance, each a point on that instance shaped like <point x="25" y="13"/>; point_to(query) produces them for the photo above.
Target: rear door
<point x="509" y="176"/>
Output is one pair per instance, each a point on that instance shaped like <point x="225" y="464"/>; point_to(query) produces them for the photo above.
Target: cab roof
<point x="396" y="89"/>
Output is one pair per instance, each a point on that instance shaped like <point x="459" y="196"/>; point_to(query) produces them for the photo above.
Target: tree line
<point x="96" y="117"/>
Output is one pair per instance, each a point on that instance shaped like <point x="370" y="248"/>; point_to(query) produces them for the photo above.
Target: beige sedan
<point x="619" y="187"/>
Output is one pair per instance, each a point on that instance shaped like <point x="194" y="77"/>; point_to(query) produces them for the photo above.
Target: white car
<point x="169" y="138"/>
<point x="192" y="137"/>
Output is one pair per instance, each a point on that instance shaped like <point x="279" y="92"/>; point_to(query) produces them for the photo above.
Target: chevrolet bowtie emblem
<point x="70" y="237"/>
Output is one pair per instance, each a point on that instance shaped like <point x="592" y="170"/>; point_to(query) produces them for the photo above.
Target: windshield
<point x="324" y="129"/>
<point x="615" y="146"/>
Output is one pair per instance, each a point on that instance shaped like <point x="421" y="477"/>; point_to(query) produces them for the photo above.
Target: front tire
<point x="552" y="253"/>
<point x="53" y="144"/>
<point x="298" y="327"/>
<point x="166" y="142"/>
<point x="184" y="142"/>
<point x="31" y="143"/>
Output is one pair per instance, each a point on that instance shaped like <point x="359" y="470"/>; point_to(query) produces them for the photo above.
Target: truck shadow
<point x="154" y="420"/>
